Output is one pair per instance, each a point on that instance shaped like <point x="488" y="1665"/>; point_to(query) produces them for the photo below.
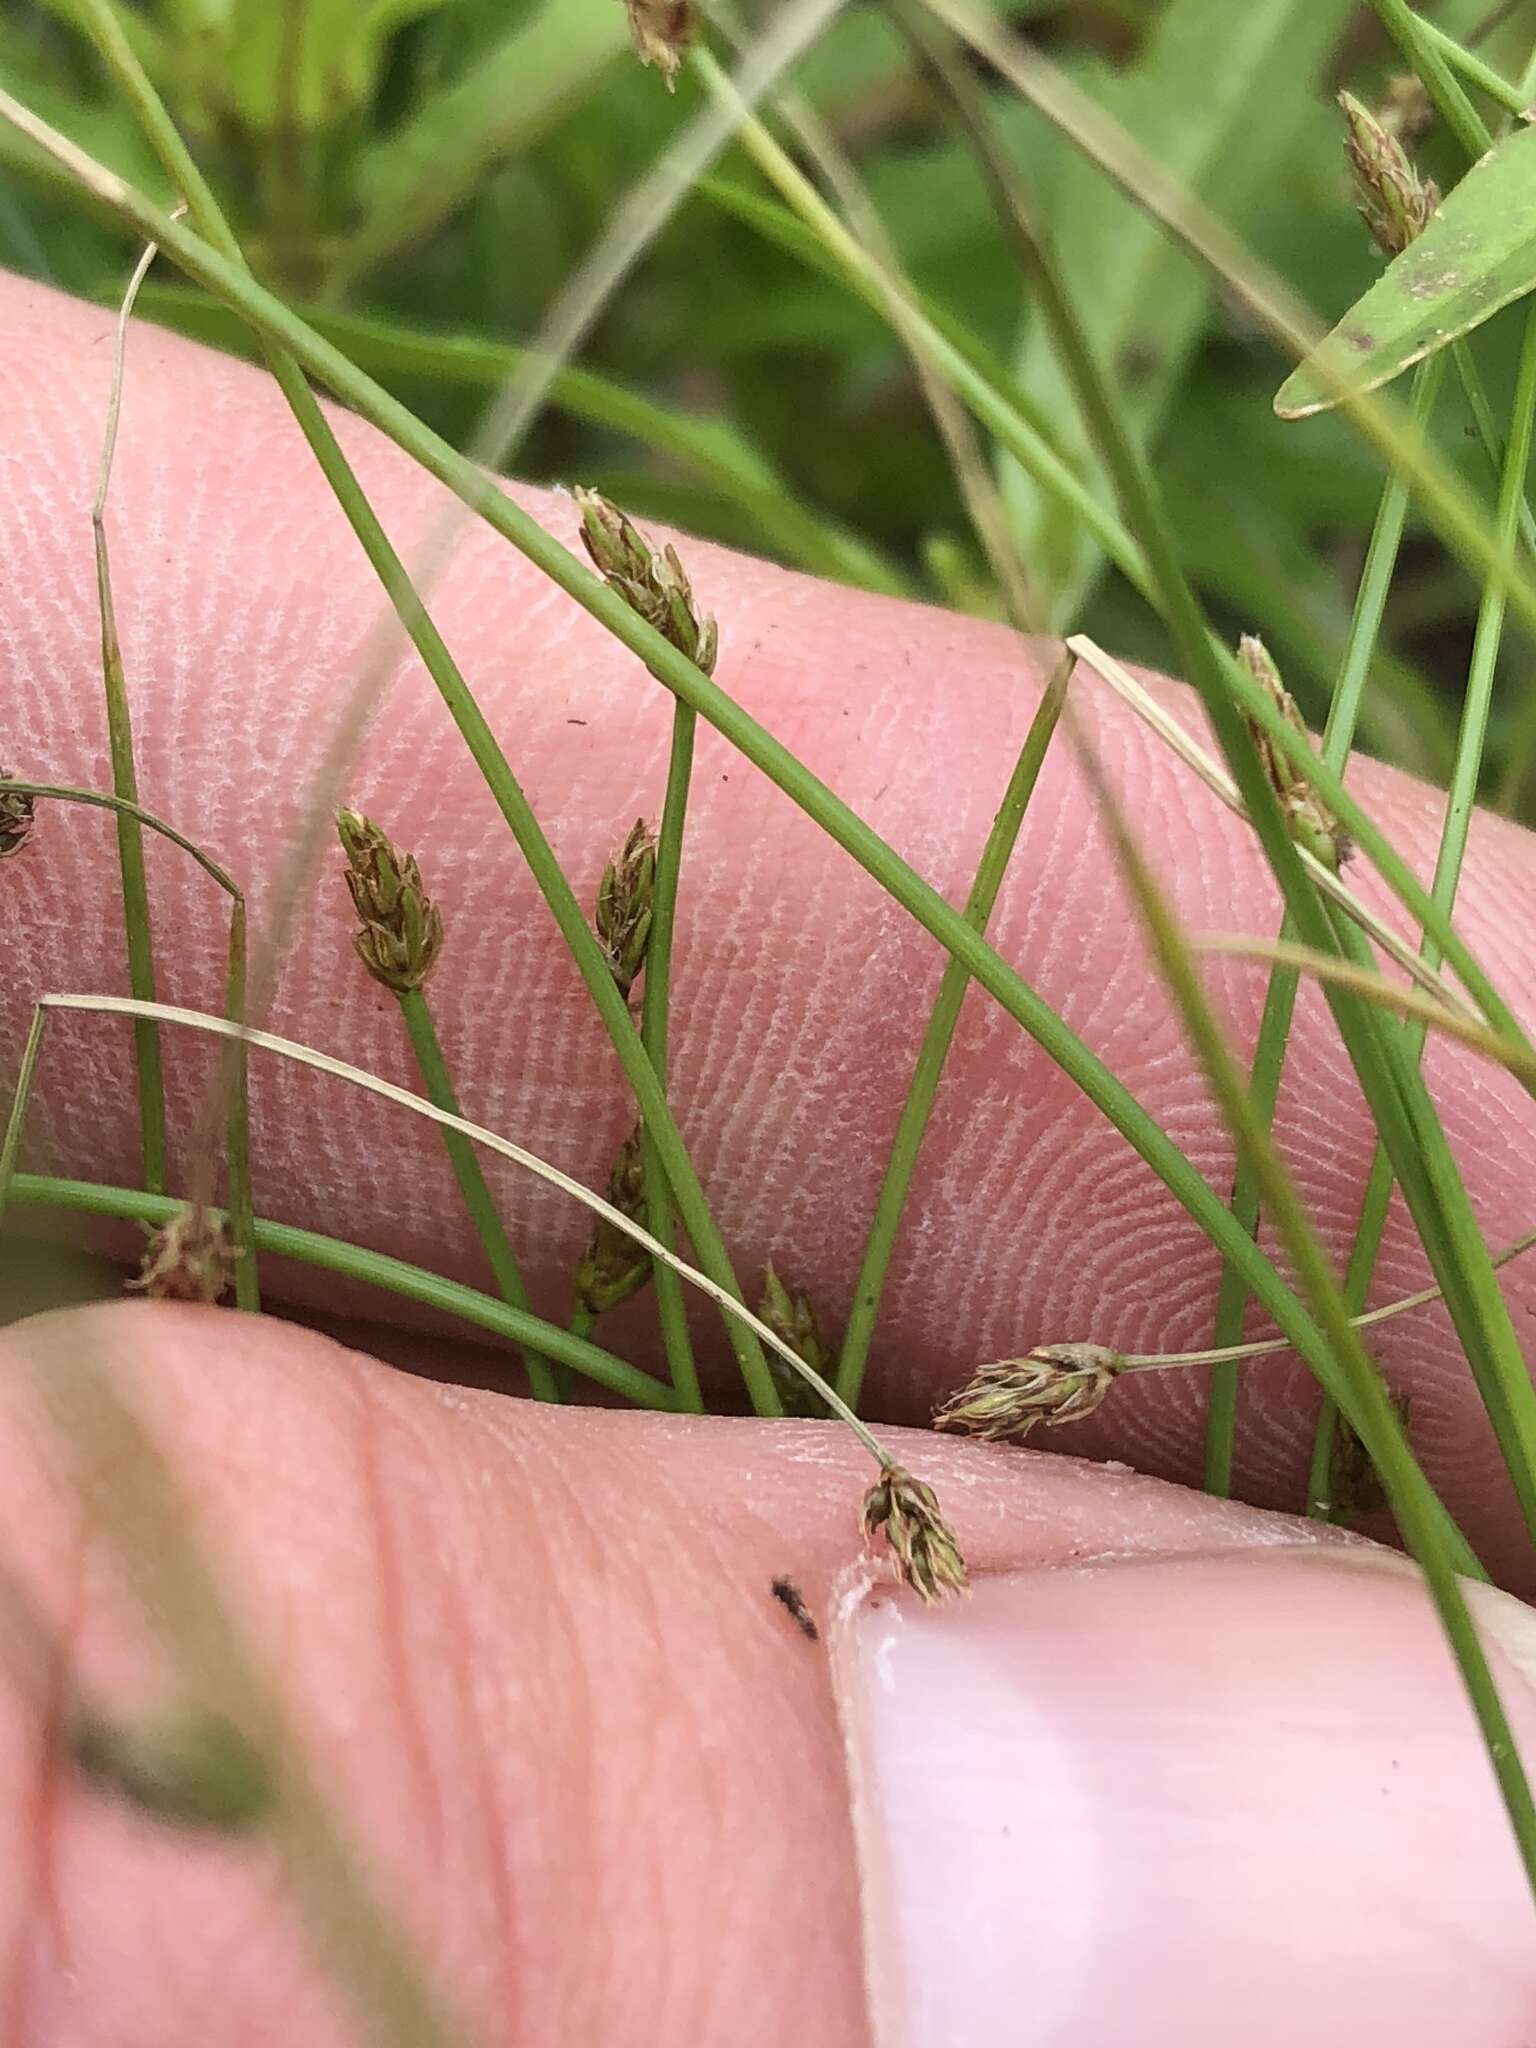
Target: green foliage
<point x="428" y="174"/>
<point x="1474" y="258"/>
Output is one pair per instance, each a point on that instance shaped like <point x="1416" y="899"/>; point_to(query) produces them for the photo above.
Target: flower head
<point x="17" y="816"/>
<point x="402" y="928"/>
<point x="654" y="586"/>
<point x="662" y="31"/>
<point x="1307" y="817"/>
<point x="1054" y="1383"/>
<point x="614" y="1266"/>
<point x="1393" y="200"/>
<point x="624" y="899"/>
<point x="792" y="1317"/>
<point x="190" y="1259"/>
<point x="921" y="1542"/>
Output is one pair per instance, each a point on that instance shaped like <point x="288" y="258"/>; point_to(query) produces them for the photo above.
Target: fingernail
<point x="1185" y="1801"/>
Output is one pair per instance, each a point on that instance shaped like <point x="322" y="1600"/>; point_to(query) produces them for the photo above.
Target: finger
<point x="801" y="992"/>
<point x="1178" y="1771"/>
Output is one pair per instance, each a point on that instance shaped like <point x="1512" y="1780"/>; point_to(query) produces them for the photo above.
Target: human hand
<point x="1211" y="1775"/>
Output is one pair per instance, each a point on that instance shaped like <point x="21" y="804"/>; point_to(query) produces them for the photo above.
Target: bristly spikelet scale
<point x="18" y="816"/>
<point x="192" y="1258"/>
<point x="625" y="896"/>
<point x="791" y="1315"/>
<point x="402" y="928"/>
<point x="613" y="1266"/>
<point x="1310" y="822"/>
<point x="1392" y="199"/>
<point x="654" y="586"/>
<point x="922" y="1545"/>
<point x="1053" y="1384"/>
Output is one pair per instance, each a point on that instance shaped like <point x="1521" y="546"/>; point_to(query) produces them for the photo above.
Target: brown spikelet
<point x="191" y="1258"/>
<point x="1053" y="1384"/>
<point x="922" y="1545"/>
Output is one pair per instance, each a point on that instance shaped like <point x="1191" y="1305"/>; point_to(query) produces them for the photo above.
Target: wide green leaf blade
<point x="1477" y="254"/>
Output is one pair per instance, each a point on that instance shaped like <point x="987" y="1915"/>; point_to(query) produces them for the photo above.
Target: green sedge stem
<point x="238" y="1137"/>
<point x="655" y="1019"/>
<point x="1420" y="1514"/>
<point x="923" y="1089"/>
<point x="1404" y="1117"/>
<point x="708" y="1245"/>
<point x="1427" y="56"/>
<point x="881" y="289"/>
<point x="470" y="1175"/>
<point x="125" y="782"/>
<point x="1460" y="802"/>
<point x="372" y="1269"/>
<point x="918" y="898"/>
<point x="1502" y="91"/>
<point x="1280" y="996"/>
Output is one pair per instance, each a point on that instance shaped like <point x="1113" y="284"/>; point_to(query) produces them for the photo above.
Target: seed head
<point x="791" y="1317"/>
<point x="613" y="1266"/>
<point x="1354" y="1484"/>
<point x="921" y="1542"/>
<point x="1309" y="820"/>
<point x="654" y="586"/>
<point x="17" y="816"/>
<point x="402" y="928"/>
<point x="662" y="31"/>
<point x="1392" y="199"/>
<point x="624" y="899"/>
<point x="1055" y="1383"/>
<point x="191" y="1259"/>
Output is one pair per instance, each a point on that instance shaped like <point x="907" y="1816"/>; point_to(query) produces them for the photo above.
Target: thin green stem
<point x="1369" y="1226"/>
<point x="1420" y="1514"/>
<point x="470" y="1175"/>
<point x="923" y="1089"/>
<point x="1404" y="1115"/>
<point x="237" y="1137"/>
<point x="460" y="701"/>
<point x="236" y="1083"/>
<point x="655" y="1021"/>
<point x="1502" y="91"/>
<point x="1486" y="427"/>
<point x="277" y="324"/>
<point x="370" y="1269"/>
<point x="880" y="287"/>
<point x="1427" y="56"/>
<point x="922" y="902"/>
<point x="125" y="782"/>
<point x="1280" y="996"/>
<point x="1460" y="802"/>
<point x="16" y="1116"/>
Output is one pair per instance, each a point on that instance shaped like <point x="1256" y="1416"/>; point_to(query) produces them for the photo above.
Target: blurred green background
<point x="426" y="174"/>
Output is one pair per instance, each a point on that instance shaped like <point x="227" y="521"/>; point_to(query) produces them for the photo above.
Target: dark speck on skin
<point x="789" y="1596"/>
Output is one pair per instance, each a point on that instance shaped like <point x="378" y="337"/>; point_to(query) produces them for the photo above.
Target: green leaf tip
<point x="1476" y="255"/>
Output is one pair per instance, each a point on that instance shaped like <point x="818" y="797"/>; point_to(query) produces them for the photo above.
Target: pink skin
<point x="801" y="992"/>
<point x="533" y="1654"/>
